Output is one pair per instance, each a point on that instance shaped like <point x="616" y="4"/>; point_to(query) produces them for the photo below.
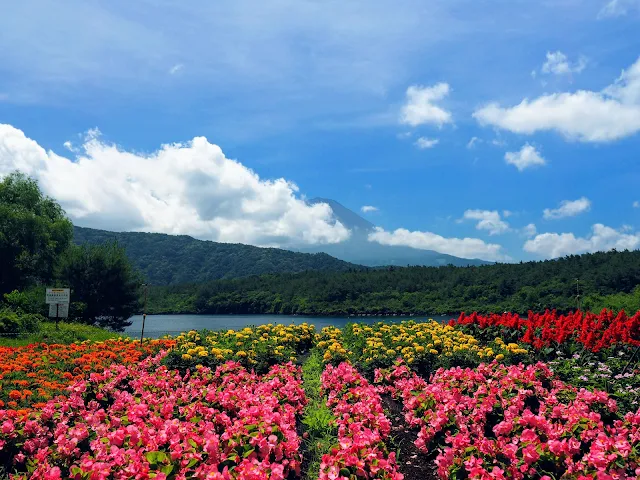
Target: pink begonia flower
<point x="532" y="425"/>
<point x="7" y="427"/>
<point x="195" y="421"/>
<point x="362" y="427"/>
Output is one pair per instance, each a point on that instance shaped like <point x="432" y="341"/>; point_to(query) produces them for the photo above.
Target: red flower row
<point x="594" y="331"/>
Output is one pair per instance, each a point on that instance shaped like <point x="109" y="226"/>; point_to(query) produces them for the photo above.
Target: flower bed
<point x="362" y="429"/>
<point x="254" y="347"/>
<point x="31" y="375"/>
<point x="145" y="421"/>
<point x="423" y="345"/>
<point x="516" y="422"/>
<point x="594" y="331"/>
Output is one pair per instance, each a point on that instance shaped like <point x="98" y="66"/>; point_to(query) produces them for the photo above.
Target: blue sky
<point x="370" y="103"/>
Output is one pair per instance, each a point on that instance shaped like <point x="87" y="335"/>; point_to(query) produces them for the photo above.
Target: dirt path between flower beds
<point x="412" y="463"/>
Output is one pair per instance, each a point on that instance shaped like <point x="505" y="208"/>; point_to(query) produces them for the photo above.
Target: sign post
<point x="144" y="312"/>
<point x="58" y="300"/>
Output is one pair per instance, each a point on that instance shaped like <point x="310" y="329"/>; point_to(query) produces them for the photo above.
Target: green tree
<point x="105" y="288"/>
<point x="34" y="231"/>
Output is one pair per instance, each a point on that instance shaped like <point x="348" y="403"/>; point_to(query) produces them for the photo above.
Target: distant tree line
<point x="604" y="279"/>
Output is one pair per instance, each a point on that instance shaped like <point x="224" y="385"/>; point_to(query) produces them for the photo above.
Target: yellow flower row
<point x="330" y="340"/>
<point x="248" y="345"/>
<point x="417" y="341"/>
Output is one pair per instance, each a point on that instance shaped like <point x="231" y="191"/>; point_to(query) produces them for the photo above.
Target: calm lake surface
<point x="159" y="325"/>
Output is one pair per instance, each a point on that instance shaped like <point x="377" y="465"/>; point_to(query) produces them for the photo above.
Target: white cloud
<point x="472" y="143"/>
<point x="420" y="107"/>
<point x="530" y="230"/>
<point x="617" y="8"/>
<point x="423" y="143"/>
<point x="558" y="64"/>
<point x="368" y="209"/>
<point x="460" y="247"/>
<point x="636" y="204"/>
<point x="487" y="220"/>
<point x="568" y="208"/>
<point x="507" y="213"/>
<point x="602" y="238"/>
<point x="188" y="188"/>
<point x="496" y="142"/>
<point x="527" y="157"/>
<point x="404" y="135"/>
<point x="69" y="146"/>
<point x="585" y="115"/>
<point x="176" y="68"/>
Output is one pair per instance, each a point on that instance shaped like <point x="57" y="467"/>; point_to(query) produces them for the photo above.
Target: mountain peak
<point x="358" y="249"/>
<point x="345" y="216"/>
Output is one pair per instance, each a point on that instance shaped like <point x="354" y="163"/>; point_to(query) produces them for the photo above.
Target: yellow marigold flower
<point x="186" y="356"/>
<point x="241" y="353"/>
<point x="433" y="351"/>
<point x="500" y="357"/>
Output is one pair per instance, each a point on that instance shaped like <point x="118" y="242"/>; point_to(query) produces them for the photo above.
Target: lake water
<point x="159" y="325"/>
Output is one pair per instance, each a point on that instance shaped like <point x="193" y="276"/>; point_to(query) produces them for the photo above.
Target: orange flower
<point x="15" y="394"/>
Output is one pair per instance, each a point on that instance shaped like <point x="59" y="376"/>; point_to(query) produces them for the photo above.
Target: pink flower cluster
<point x="362" y="428"/>
<point x="145" y="421"/>
<point x="517" y="422"/>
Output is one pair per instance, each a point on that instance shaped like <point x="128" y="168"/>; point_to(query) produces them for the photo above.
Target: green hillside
<point x="173" y="259"/>
<point x="605" y="279"/>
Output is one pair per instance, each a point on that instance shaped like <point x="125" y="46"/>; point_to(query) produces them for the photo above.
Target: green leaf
<point x="247" y="453"/>
<point x="152" y="457"/>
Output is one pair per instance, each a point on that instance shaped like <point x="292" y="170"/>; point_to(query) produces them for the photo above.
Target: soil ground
<point x="412" y="463"/>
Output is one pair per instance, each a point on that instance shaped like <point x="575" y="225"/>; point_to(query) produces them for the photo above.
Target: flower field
<point x="546" y="397"/>
<point x="31" y="375"/>
<point x="256" y="348"/>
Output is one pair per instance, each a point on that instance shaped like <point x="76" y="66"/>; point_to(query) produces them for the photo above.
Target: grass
<point x="65" y="333"/>
<point x="317" y="418"/>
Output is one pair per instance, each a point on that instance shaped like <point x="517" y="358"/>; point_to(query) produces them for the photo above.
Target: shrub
<point x="13" y="323"/>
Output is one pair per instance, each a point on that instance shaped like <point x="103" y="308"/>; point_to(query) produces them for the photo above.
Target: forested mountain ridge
<point x="174" y="259"/>
<point x="517" y="287"/>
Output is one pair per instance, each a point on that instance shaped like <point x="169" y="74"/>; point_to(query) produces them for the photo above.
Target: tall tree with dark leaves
<point x="105" y="287"/>
<point x="34" y="231"/>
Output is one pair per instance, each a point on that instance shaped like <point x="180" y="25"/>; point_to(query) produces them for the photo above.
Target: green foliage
<point x="29" y="300"/>
<point x="615" y="371"/>
<point x="174" y="259"/>
<point x="414" y="290"/>
<point x="105" y="287"/>
<point x="629" y="302"/>
<point x="63" y="333"/>
<point x="33" y="232"/>
<point x="15" y="322"/>
<point x="318" y="420"/>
